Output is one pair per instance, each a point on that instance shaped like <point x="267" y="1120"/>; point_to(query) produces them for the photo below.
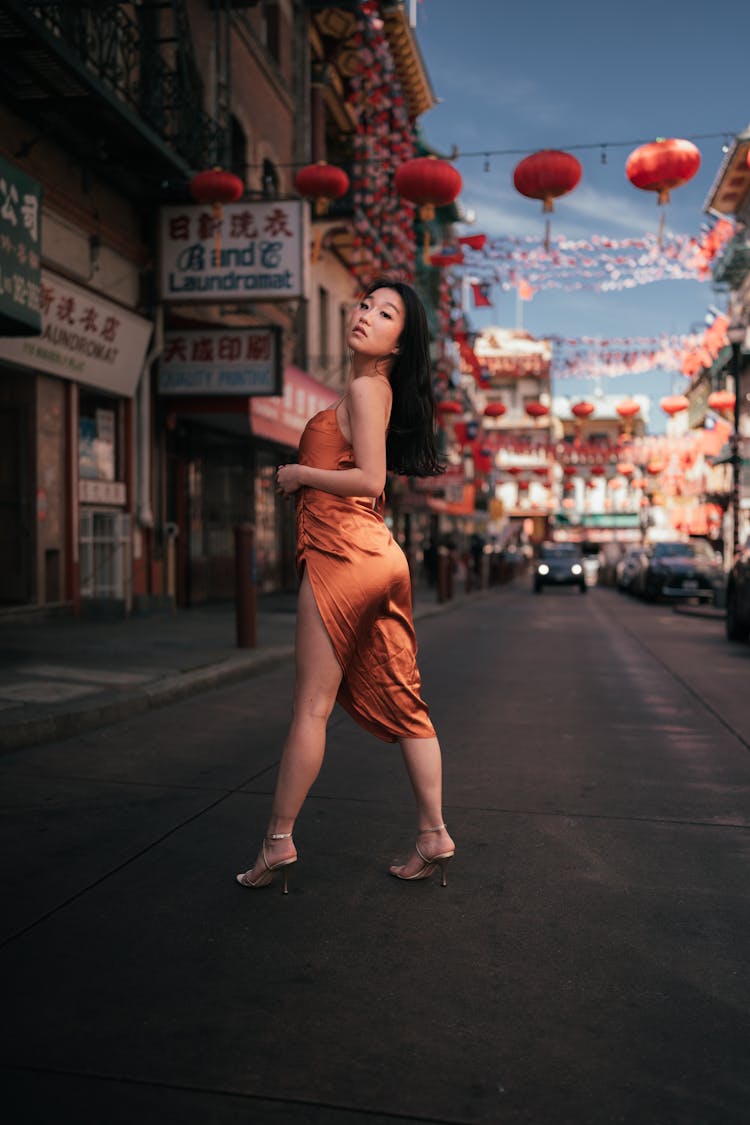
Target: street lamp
<point x="736" y="335"/>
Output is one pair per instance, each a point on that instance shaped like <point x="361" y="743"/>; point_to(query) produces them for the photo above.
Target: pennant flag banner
<point x="589" y="357"/>
<point x="604" y="264"/>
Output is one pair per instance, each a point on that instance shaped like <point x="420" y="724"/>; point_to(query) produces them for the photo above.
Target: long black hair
<point x="411" y="443"/>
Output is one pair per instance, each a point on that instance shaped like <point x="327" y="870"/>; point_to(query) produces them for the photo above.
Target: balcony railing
<point x="733" y="265"/>
<point x="134" y="59"/>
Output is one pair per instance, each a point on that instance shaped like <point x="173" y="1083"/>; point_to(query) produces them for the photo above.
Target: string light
<point x="485" y="154"/>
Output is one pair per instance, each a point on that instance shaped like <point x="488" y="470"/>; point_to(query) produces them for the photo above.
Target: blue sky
<point x="553" y="75"/>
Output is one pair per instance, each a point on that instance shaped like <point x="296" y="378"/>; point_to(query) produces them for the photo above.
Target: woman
<point x="355" y="636"/>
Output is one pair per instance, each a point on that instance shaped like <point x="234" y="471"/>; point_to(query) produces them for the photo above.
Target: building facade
<point x="163" y="350"/>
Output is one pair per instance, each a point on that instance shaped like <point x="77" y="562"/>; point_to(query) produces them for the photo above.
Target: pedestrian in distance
<point x="355" y="638"/>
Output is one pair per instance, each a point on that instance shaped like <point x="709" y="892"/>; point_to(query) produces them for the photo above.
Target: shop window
<point x="104" y="545"/>
<point x="99" y="441"/>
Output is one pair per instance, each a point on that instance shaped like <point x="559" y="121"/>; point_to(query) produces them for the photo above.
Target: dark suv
<point x="682" y="571"/>
<point x="559" y="564"/>
<point x="738" y="597"/>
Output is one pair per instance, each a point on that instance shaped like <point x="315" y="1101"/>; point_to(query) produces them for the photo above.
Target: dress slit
<point x="359" y="578"/>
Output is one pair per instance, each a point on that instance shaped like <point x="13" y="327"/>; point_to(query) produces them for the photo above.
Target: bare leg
<point x="318" y="675"/>
<point x="425" y="769"/>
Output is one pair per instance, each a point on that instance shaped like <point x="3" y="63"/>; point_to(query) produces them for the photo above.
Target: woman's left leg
<point x="318" y="675"/>
<point x="424" y="766"/>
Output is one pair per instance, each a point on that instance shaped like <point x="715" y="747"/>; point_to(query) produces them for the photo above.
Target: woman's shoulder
<point x="366" y="389"/>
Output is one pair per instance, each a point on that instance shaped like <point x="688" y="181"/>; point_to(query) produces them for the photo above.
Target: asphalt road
<point x="586" y="965"/>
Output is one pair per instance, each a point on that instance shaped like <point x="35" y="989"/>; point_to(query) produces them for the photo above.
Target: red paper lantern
<point x="583" y="409"/>
<point x="570" y="470"/>
<point x="628" y="408"/>
<point x="495" y="409"/>
<point x="321" y="182"/>
<point x="449" y="406"/>
<point x="674" y="404"/>
<point x="615" y="483"/>
<point x="598" y="470"/>
<point x="536" y="409"/>
<point x="429" y="183"/>
<point x="514" y="470"/>
<point x="655" y="467"/>
<point x="721" y="400"/>
<point x="541" y="470"/>
<point x="625" y="469"/>
<point x="216" y="187"/>
<point x="523" y="486"/>
<point x="547" y="175"/>
<point x="662" y="165"/>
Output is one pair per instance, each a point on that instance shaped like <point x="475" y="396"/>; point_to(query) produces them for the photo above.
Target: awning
<point x="283" y="419"/>
<point x="280" y="419"/>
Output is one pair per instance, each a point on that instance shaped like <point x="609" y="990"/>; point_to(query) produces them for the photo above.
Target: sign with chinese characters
<point x="111" y="492"/>
<point x="84" y="338"/>
<point x="20" y="262"/>
<point x="256" y="251"/>
<point x="231" y="361"/>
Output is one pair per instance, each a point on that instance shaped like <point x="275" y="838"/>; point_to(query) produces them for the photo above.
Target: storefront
<point x="222" y="454"/>
<point x="67" y="432"/>
<point x="229" y="413"/>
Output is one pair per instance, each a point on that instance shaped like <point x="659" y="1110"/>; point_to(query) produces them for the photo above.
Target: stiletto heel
<point x="429" y="863"/>
<point x="266" y="876"/>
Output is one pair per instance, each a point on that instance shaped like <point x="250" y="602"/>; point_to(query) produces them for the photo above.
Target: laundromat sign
<point x="255" y="251"/>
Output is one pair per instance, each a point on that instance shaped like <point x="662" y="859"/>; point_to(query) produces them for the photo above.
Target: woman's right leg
<point x="318" y="675"/>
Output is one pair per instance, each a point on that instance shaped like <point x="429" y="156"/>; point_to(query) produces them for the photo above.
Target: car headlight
<point x="576" y="568"/>
<point x="542" y="569"/>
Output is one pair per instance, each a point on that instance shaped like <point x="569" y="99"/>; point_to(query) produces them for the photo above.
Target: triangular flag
<point x="481" y="291"/>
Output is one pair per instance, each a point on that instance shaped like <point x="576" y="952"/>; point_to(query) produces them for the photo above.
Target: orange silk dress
<point x="360" y="580"/>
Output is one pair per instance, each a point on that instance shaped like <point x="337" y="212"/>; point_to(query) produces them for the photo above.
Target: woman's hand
<point x="288" y="479"/>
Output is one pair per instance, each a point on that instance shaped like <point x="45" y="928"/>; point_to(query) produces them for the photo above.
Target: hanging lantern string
<point x="486" y="153"/>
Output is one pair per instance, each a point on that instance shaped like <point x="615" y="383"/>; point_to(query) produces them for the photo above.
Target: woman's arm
<point x="369" y="401"/>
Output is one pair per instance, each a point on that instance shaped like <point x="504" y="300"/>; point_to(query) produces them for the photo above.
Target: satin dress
<point x="360" y="580"/>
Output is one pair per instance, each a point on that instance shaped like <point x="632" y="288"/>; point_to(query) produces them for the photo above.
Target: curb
<point x="709" y="613"/>
<point x="157" y="694"/>
<point x="160" y="693"/>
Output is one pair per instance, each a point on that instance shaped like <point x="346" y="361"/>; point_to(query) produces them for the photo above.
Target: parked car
<point x="628" y="570"/>
<point x="738" y="597"/>
<point x="559" y="564"/>
<point x="682" y="571"/>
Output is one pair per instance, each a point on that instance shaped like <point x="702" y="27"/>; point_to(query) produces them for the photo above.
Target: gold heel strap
<point x="273" y="836"/>
<point x="439" y="828"/>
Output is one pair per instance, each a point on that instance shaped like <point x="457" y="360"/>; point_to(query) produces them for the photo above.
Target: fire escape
<point x="117" y="86"/>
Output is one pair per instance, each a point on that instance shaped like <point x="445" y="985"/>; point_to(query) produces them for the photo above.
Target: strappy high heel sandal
<point x="429" y="863"/>
<point x="266" y="876"/>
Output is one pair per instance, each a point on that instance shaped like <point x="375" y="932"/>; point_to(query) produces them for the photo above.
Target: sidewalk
<point x="62" y="675"/>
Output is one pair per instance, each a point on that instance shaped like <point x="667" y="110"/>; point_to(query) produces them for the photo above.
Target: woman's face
<point x="376" y="324"/>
